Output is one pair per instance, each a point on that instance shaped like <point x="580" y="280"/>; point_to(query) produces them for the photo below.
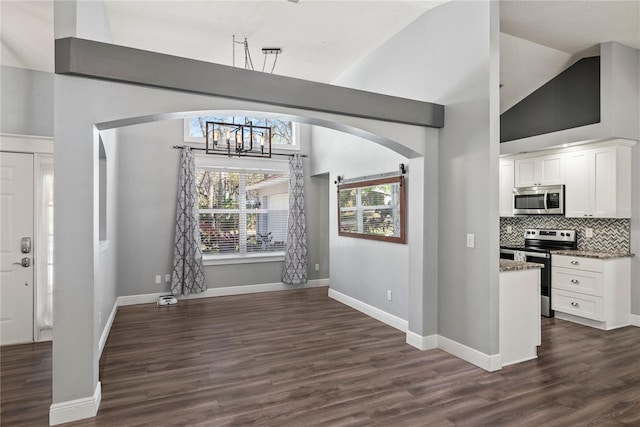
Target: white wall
<point x="107" y="269"/>
<point x="450" y="55"/>
<point x="525" y="66"/>
<point x="362" y="269"/>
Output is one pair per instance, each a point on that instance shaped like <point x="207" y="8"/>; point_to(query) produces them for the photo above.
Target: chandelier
<point x="242" y="140"/>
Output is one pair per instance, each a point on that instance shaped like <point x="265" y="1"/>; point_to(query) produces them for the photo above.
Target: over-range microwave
<point x="539" y="200"/>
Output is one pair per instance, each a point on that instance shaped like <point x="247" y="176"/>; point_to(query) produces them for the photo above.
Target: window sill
<point x="242" y="259"/>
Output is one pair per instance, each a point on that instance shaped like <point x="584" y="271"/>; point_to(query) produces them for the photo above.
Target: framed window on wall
<point x="373" y="209"/>
<point x="243" y="213"/>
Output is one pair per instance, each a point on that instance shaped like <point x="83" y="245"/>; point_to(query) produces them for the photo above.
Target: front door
<point x="16" y="248"/>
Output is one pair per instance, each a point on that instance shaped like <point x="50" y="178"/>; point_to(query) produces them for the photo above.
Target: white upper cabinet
<point x="506" y="187"/>
<point x="544" y="170"/>
<point x="598" y="183"/>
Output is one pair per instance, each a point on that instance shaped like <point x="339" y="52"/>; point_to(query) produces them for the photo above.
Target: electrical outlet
<point x="158" y="279"/>
<point x="317" y="267"/>
<point x="588" y="232"/>
<point x="167" y="278"/>
<point x="509" y="229"/>
<point x="471" y="240"/>
<point x="389" y="295"/>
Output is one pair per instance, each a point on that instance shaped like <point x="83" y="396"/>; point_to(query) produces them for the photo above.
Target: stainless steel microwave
<point x="539" y="200"/>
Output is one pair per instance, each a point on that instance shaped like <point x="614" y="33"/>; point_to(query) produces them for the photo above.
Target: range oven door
<point x="545" y="275"/>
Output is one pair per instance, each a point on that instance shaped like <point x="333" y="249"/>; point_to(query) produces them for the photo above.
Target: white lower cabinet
<point x="594" y="292"/>
<point x="519" y="315"/>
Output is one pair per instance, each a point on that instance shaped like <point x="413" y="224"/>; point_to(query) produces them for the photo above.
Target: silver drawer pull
<point x="575" y="304"/>
<point x="575" y="263"/>
<point x="575" y="281"/>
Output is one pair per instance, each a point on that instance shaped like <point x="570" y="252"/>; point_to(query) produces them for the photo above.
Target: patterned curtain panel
<point x="188" y="275"/>
<point x="295" y="257"/>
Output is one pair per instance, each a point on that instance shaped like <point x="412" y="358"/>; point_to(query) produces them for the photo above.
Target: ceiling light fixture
<point x="248" y="62"/>
<point x="229" y="139"/>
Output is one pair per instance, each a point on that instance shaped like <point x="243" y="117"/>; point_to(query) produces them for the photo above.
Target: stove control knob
<point x="562" y="234"/>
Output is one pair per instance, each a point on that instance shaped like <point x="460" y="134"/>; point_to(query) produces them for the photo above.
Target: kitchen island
<point x="519" y="310"/>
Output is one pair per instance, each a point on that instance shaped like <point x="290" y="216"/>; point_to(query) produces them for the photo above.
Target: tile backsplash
<point x="608" y="234"/>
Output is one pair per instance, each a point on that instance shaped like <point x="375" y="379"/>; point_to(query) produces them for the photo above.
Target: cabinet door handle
<point x="575" y="281"/>
<point x="575" y="263"/>
<point x="575" y="304"/>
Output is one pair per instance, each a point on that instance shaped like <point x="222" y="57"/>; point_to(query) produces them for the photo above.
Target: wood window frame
<point x="401" y="238"/>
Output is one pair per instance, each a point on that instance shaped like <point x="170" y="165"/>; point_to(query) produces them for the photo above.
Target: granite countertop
<point x="511" y="265"/>
<point x="593" y="254"/>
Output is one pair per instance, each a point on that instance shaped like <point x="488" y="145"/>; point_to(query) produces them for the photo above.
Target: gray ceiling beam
<point x="87" y="58"/>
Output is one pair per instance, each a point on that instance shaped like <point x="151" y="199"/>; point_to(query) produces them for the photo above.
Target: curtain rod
<point x="273" y="154"/>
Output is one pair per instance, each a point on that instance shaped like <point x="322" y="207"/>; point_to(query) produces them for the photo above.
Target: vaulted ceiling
<point x="319" y="39"/>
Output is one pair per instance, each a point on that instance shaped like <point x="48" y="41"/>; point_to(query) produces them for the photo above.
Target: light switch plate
<point x="158" y="279"/>
<point x="588" y="232"/>
<point x="471" y="240"/>
<point x="509" y="229"/>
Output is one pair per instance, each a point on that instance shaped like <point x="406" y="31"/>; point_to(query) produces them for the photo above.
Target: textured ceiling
<point x="572" y="26"/>
<point x="319" y="39"/>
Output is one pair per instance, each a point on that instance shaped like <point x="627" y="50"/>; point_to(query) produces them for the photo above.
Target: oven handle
<point x="545" y="200"/>
<point x="531" y="254"/>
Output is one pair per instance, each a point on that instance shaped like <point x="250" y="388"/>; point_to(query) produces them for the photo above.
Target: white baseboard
<point x="107" y="328"/>
<point x="422" y="343"/>
<point x="225" y="291"/>
<point x="485" y="361"/>
<point x="370" y="310"/>
<point x="592" y="323"/>
<point x="78" y="409"/>
<point x="635" y="320"/>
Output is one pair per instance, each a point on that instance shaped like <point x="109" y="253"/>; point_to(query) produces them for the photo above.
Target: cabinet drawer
<point x="584" y="282"/>
<point x="581" y="263"/>
<point x="577" y="304"/>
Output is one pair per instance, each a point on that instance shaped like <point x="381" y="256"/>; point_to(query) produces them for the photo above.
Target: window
<point x="372" y="209"/>
<point x="283" y="133"/>
<point x="242" y="212"/>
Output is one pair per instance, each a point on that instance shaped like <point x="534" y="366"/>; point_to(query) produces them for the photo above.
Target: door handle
<point x="25" y="262"/>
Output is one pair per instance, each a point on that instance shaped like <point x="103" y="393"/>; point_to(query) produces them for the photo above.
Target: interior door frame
<point x="40" y="147"/>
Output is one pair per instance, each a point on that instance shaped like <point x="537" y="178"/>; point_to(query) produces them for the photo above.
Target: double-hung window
<point x="243" y="212"/>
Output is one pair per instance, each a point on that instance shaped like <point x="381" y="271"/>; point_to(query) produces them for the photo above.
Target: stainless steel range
<point x="538" y="244"/>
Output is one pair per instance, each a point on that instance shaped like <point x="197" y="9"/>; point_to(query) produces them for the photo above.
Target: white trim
<point x="225" y="291"/>
<point x="107" y="328"/>
<point x="487" y="362"/>
<point x="422" y="343"/>
<point x="635" y="319"/>
<point x="242" y="259"/>
<point x="604" y="326"/>
<point x="26" y="143"/>
<point x="45" y="335"/>
<point x="371" y="311"/>
<point x="513" y="362"/>
<point x="77" y="409"/>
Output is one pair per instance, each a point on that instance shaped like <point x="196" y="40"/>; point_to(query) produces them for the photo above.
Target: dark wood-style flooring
<point x="298" y="358"/>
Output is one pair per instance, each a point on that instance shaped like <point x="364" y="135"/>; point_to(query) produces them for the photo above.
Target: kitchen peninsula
<point x="519" y="310"/>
